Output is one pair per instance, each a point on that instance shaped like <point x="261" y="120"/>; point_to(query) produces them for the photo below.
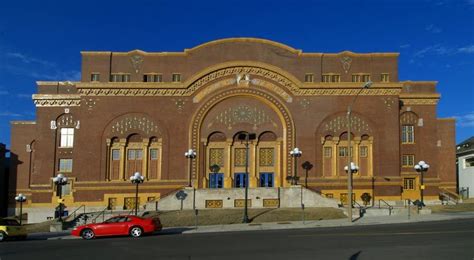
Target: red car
<point x="118" y="226"/>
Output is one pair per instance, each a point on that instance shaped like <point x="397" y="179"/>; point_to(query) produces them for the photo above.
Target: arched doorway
<point x="214" y="134"/>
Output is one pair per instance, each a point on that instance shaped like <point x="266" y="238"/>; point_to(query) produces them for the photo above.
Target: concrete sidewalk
<point x="379" y="220"/>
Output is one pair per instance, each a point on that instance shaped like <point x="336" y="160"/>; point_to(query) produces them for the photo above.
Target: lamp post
<point x="21" y="198"/>
<point x="307" y="166"/>
<point x="246" y="138"/>
<point x="60" y="180"/>
<point x="136" y="179"/>
<point x="295" y="153"/>
<point x="190" y="154"/>
<point x="349" y="160"/>
<point x="353" y="169"/>
<point x="422" y="167"/>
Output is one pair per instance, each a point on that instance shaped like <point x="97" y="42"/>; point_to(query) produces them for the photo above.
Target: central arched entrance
<point x="215" y="132"/>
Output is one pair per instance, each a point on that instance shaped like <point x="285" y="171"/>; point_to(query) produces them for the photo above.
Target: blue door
<point x="216" y="180"/>
<point x="266" y="179"/>
<point x="241" y="180"/>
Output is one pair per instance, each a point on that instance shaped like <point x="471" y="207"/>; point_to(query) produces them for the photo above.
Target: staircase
<point x="288" y="197"/>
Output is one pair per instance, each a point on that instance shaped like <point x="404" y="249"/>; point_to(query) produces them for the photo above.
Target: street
<point x="452" y="239"/>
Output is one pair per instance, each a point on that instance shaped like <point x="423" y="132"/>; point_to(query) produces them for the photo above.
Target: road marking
<point x="386" y="234"/>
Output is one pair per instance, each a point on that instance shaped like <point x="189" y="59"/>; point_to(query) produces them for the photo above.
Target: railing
<point x="450" y="196"/>
<point x="361" y="208"/>
<point x="102" y="213"/>
<point x="83" y="207"/>
<point x="390" y="207"/>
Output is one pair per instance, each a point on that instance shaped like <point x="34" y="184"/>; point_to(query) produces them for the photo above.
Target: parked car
<point x="11" y="228"/>
<point x="119" y="226"/>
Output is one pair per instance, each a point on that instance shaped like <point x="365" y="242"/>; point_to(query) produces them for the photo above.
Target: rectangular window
<point x="67" y="137"/>
<point x="469" y="162"/>
<point x="138" y="154"/>
<point x="365" y="77"/>
<point x="408" y="134"/>
<point x="95" y="77"/>
<point x="126" y="77"/>
<point x="385" y="77"/>
<point x="408" y="160"/>
<point x="409" y="183"/>
<point x="176" y="77"/>
<point x="364" y="151"/>
<point x="309" y="77"/>
<point x="115" y="154"/>
<point x="152" y="78"/>
<point x="119" y="77"/>
<point x="131" y="155"/>
<point x="343" y="151"/>
<point x="327" y="152"/>
<point x="153" y="154"/>
<point x="65" y="165"/>
<point x="355" y="78"/>
<point x="331" y="78"/>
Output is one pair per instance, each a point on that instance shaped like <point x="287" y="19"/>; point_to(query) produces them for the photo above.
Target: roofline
<point x="244" y="39"/>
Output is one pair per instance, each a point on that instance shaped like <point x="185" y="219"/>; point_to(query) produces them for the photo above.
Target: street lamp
<point x="246" y="138"/>
<point x="295" y="153"/>
<point x="21" y="198"/>
<point x="349" y="161"/>
<point x="190" y="154"/>
<point x="422" y="167"/>
<point x="354" y="169"/>
<point x="307" y="166"/>
<point x="60" y="180"/>
<point x="136" y="179"/>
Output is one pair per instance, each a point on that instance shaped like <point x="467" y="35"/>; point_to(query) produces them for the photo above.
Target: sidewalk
<point x="380" y="220"/>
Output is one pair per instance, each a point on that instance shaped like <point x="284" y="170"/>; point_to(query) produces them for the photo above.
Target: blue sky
<point x="42" y="40"/>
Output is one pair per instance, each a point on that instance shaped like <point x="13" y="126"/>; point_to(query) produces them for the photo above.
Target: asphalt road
<point x="452" y="240"/>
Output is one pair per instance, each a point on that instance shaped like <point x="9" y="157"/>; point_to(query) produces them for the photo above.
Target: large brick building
<point x="140" y="111"/>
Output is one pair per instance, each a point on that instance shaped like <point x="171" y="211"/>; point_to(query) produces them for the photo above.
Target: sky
<point x="42" y="40"/>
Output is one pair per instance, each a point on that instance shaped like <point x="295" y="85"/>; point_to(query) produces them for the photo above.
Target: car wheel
<point x="136" y="231"/>
<point x="3" y="236"/>
<point x="87" y="234"/>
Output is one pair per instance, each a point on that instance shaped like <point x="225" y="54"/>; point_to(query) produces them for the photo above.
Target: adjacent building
<point x="140" y="111"/>
<point x="465" y="170"/>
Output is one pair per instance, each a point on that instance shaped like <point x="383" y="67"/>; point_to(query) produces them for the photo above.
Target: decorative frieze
<point x="129" y="123"/>
<point x="339" y="124"/>
<point x="242" y="114"/>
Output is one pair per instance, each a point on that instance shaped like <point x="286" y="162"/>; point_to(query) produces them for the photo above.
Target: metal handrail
<point x="74" y="212"/>
<point x="103" y="215"/>
<point x="450" y="196"/>
<point x="390" y="207"/>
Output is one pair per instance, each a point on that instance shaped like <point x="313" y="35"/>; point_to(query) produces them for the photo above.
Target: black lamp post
<point x="295" y="153"/>
<point x="307" y="166"/>
<point x="246" y="138"/>
<point x="349" y="148"/>
<point x="190" y="154"/>
<point x="21" y="198"/>
<point x="354" y="169"/>
<point x="136" y="179"/>
<point x="60" y="180"/>
<point x="422" y="167"/>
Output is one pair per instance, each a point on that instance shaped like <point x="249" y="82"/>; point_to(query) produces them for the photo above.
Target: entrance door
<point x="266" y="179"/>
<point x="241" y="180"/>
<point x="216" y="180"/>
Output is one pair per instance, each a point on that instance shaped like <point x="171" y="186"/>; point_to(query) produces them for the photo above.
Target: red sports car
<point x="118" y="226"/>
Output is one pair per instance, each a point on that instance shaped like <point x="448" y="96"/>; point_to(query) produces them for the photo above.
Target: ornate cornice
<point x="47" y="100"/>
<point x="419" y="101"/>
<point x="287" y="85"/>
